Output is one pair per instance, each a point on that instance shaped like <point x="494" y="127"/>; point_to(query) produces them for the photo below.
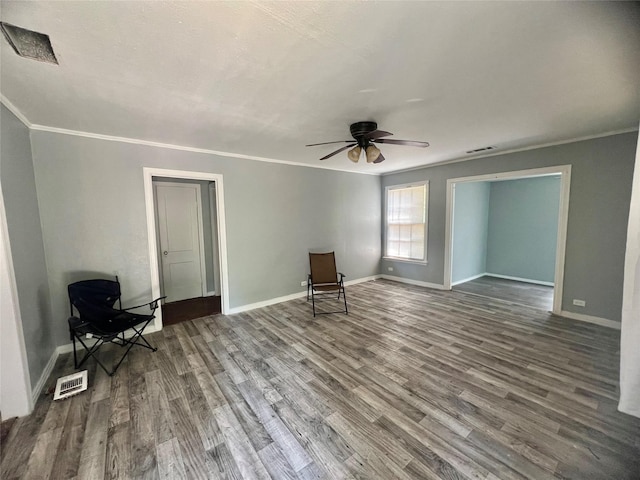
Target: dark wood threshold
<point x="190" y="309"/>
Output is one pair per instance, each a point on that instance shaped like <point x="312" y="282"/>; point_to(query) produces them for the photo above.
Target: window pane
<point x="406" y="222"/>
<point x="405" y="250"/>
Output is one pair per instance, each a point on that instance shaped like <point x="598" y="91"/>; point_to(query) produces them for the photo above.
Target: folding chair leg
<point x="131" y="342"/>
<point x="313" y="301"/>
<point x="91" y="352"/>
<point x="75" y="356"/>
<point x="344" y="296"/>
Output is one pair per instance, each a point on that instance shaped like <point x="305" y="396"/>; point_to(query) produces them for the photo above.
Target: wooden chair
<point x="323" y="280"/>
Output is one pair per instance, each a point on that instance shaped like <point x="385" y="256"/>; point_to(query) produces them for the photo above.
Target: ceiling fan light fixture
<point x="373" y="153"/>
<point x="354" y="154"/>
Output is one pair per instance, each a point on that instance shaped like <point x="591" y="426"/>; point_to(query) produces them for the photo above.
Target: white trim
<point x="148" y="173"/>
<point x="604" y="322"/>
<point x="67" y="348"/>
<point x="266" y="303"/>
<point x="361" y="280"/>
<point x="419" y="283"/>
<point x="405" y="260"/>
<point x="520" y="279"/>
<point x="211" y="294"/>
<point x="293" y="296"/>
<point x="13" y="109"/>
<point x="78" y="133"/>
<point x="512" y="175"/>
<point x="563" y="219"/>
<point x="561" y="242"/>
<point x="37" y="390"/>
<point x="200" y="220"/>
<point x="214" y="239"/>
<point x="517" y="150"/>
<point x="148" y="143"/>
<point x="17" y="398"/>
<point x="468" y="279"/>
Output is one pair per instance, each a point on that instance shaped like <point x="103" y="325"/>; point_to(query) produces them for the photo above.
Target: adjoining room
<point x="505" y="238"/>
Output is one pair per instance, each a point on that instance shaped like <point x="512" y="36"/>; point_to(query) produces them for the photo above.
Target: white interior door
<point x="179" y="212"/>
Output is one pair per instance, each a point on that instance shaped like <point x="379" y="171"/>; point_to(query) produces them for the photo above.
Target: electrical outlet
<point x="390" y="269"/>
<point x="579" y="303"/>
<point x="303" y="284"/>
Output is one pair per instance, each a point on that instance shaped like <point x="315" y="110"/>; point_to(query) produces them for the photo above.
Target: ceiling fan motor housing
<point x="360" y="129"/>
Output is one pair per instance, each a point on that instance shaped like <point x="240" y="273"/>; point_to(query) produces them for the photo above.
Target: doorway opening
<point x="187" y="243"/>
<point x="506" y="235"/>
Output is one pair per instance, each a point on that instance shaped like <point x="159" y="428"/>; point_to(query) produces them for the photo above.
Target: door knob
<point x="165" y="252"/>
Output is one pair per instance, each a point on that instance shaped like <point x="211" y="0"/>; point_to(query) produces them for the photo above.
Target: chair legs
<point x="93" y="349"/>
<point x="341" y="292"/>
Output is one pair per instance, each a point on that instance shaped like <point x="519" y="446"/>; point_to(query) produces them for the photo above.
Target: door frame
<point x="563" y="217"/>
<point x="148" y="173"/>
<point x="16" y="396"/>
<point x="214" y="240"/>
<point x="200" y="220"/>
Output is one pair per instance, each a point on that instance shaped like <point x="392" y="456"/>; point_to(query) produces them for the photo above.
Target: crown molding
<point x="13" y="109"/>
<point x="516" y="150"/>
<point x="136" y="141"/>
<point x="147" y="143"/>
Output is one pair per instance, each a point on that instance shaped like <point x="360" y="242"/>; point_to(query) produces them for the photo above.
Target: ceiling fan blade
<point x="377" y="134"/>
<point x="411" y="143"/>
<point x="337" y="151"/>
<point x="380" y="158"/>
<point x="328" y="143"/>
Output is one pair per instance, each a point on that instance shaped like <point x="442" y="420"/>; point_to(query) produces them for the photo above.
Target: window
<point x="406" y="222"/>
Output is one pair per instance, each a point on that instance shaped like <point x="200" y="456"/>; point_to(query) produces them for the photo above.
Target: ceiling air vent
<point x="29" y="44"/>
<point x="483" y="149"/>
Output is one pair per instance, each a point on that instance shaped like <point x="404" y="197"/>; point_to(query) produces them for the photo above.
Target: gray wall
<point x="93" y="216"/>
<point x="601" y="176"/>
<point x="27" y="250"/>
<point x="207" y="233"/>
<point x="523" y="228"/>
<point x="470" y="222"/>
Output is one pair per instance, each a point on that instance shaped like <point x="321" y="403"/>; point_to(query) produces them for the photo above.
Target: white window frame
<point x="388" y="189"/>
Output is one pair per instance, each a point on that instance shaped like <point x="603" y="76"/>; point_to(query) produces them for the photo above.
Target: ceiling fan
<point x="365" y="134"/>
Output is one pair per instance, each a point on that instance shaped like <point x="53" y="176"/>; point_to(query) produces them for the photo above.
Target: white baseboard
<point x="37" y="390"/>
<point x="266" y="303"/>
<point x="361" y="280"/>
<point x="464" y="280"/>
<point x="604" y="322"/>
<point x="419" y="283"/>
<point x="293" y="296"/>
<point x="520" y="279"/>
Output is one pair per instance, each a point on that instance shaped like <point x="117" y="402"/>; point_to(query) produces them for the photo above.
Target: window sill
<point x="405" y="260"/>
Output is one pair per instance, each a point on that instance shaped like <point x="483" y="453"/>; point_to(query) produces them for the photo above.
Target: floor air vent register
<point x="70" y="385"/>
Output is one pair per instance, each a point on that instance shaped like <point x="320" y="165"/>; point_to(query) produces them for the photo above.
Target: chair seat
<point x="330" y="287"/>
<point x="111" y="328"/>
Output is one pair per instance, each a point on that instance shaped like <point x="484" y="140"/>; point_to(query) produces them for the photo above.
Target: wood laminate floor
<point x="531" y="294"/>
<point x="412" y="384"/>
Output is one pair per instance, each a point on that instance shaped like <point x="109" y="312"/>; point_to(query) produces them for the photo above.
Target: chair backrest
<point x="323" y="267"/>
<point x="100" y="293"/>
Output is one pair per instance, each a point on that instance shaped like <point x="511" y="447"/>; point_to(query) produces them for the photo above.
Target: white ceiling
<point x="264" y="79"/>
